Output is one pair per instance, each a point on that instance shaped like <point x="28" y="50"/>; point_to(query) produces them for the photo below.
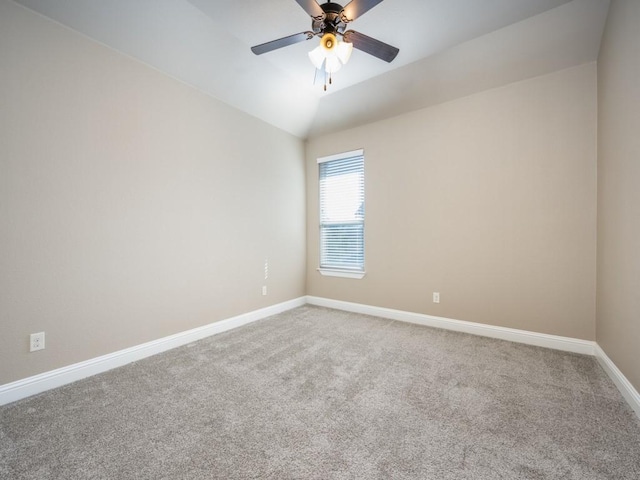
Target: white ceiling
<point x="448" y="49"/>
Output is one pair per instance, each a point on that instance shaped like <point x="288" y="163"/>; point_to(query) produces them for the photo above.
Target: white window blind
<point x="342" y="212"/>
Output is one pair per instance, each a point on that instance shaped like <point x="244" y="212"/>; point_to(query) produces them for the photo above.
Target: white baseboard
<point x="627" y="390"/>
<point x="11" y="392"/>
<point x="520" y="336"/>
<point x="567" y="344"/>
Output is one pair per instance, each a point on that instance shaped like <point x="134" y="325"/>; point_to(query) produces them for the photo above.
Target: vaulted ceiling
<point x="448" y="49"/>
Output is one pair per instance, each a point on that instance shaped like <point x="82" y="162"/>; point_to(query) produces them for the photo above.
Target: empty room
<point x="299" y="239"/>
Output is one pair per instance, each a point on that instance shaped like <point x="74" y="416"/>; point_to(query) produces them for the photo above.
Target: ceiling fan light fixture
<point x="331" y="54"/>
<point x="329" y="42"/>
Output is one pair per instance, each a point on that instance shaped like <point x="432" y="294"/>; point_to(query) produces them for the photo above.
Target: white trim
<point x="340" y="156"/>
<point x="11" y="392"/>
<point x="26" y="387"/>
<point x="566" y="344"/>
<point x="627" y="390"/>
<point x="341" y="273"/>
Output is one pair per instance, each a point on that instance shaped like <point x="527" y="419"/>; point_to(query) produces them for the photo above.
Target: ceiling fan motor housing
<point x="332" y="23"/>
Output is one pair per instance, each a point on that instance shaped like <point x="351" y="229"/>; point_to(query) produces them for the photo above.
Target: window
<point x="342" y="214"/>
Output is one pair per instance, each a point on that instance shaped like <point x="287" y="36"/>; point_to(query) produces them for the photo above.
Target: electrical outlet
<point x="266" y="268"/>
<point x="36" y="341"/>
<point x="264" y="290"/>
<point x="436" y="297"/>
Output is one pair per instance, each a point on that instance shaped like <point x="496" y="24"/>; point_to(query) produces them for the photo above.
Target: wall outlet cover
<point x="36" y="341"/>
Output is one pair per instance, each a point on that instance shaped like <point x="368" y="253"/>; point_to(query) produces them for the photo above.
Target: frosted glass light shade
<point x="332" y="64"/>
<point x="343" y="51"/>
<point x="317" y="56"/>
<point x="331" y="59"/>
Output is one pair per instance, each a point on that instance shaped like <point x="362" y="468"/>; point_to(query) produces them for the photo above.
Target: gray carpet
<point x="322" y="394"/>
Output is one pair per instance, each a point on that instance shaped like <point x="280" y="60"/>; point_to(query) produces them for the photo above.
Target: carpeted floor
<point x="323" y="394"/>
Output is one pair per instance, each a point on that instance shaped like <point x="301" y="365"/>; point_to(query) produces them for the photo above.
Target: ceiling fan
<point x="329" y="21"/>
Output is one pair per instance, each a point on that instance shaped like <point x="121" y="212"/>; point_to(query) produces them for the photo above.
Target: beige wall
<point x="489" y="200"/>
<point x="131" y="205"/>
<point x="618" y="312"/>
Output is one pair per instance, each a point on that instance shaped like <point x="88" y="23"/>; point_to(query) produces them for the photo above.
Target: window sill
<point x="341" y="273"/>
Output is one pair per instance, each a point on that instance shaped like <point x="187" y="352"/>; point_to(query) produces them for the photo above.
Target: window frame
<point x="336" y="271"/>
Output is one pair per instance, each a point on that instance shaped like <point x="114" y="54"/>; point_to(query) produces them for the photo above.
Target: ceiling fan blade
<point x="370" y="45"/>
<point x="355" y="8"/>
<point x="281" y="42"/>
<point x="312" y="8"/>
